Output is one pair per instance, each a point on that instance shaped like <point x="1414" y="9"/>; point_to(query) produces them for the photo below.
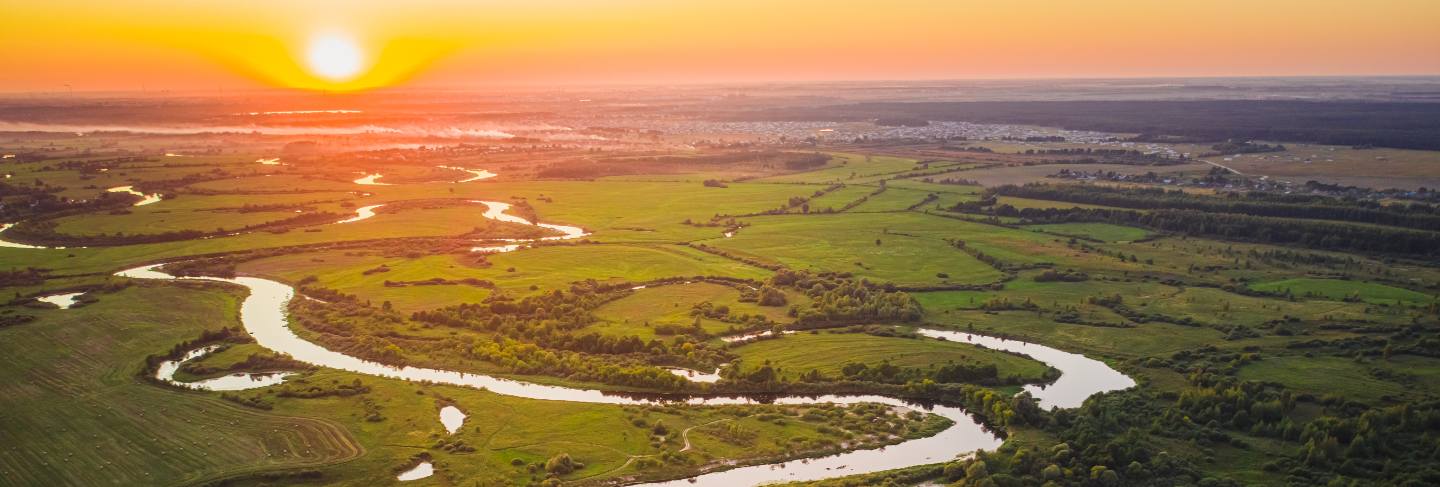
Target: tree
<point x="562" y="464"/>
<point x="770" y="296"/>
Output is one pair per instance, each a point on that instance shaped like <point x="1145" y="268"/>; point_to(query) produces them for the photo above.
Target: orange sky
<point x="189" y="45"/>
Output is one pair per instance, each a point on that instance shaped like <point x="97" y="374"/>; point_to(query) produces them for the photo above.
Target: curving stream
<point x="263" y="313"/>
<point x="238" y="381"/>
<point x="475" y="174"/>
<point x="496" y="210"/>
<point x="362" y="213"/>
<point x="16" y="245"/>
<point x="145" y="199"/>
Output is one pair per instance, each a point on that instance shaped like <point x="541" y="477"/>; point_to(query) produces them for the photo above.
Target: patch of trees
<point x="1235" y="146"/>
<point x="1416" y="215"/>
<point x="1066" y="275"/>
<point x="26" y="201"/>
<point x="1091" y="155"/>
<point x="952" y="181"/>
<point x="770" y="296"/>
<point x="29" y="276"/>
<point x="845" y="301"/>
<point x="969" y="148"/>
<point x="950" y="373"/>
<point x="301" y="388"/>
<point x="256" y="362"/>
<point x="440" y="281"/>
<point x="1322" y="235"/>
<point x="11" y="319"/>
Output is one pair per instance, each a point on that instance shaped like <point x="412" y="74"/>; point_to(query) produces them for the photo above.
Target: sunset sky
<point x="57" y="45"/>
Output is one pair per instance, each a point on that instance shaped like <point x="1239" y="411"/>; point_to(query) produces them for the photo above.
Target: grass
<point x="637" y="313"/>
<point x="1335" y="289"/>
<point x="1324" y="375"/>
<point x="911" y="248"/>
<point x="836" y="200"/>
<point x="1024" y="203"/>
<point x="829" y="352"/>
<point x="203" y="213"/>
<point x="847" y="168"/>
<point x="1098" y="231"/>
<point x="918" y="185"/>
<point x="1216" y="306"/>
<point x="894" y="199"/>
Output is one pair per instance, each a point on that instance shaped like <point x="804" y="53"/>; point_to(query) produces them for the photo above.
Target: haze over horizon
<point x="88" y="45"/>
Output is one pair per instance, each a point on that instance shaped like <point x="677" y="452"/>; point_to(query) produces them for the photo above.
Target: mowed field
<point x="75" y="412"/>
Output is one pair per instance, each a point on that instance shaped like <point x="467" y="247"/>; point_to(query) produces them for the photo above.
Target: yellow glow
<point x="334" y="56"/>
<point x="175" y="44"/>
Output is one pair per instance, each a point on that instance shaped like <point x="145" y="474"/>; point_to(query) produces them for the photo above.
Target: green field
<point x="638" y="313"/>
<point x="1337" y="376"/>
<point x="911" y="248"/>
<point x="827" y="353"/>
<point x="848" y="168"/>
<point x="1337" y="289"/>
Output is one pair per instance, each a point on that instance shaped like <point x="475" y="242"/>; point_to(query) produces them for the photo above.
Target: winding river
<point x="475" y="174"/>
<point x="263" y="314"/>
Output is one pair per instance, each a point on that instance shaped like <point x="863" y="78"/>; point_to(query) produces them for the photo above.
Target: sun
<point x="334" y="56"/>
